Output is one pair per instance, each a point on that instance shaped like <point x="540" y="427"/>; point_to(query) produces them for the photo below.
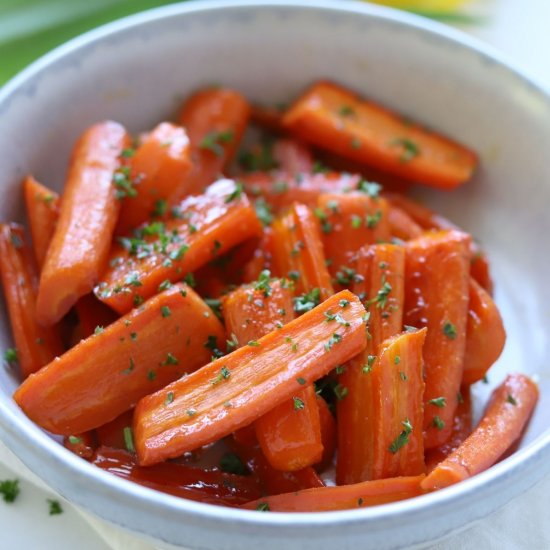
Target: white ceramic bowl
<point x="137" y="70"/>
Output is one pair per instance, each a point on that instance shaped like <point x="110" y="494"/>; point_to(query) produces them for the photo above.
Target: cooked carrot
<point x="82" y="445"/>
<point x="350" y="221"/>
<point x="159" y="168"/>
<point x="202" y="228"/>
<point x="42" y="206"/>
<point x="89" y="210"/>
<point x="346" y="497"/>
<point x="114" y="434"/>
<point x="333" y="118"/>
<point x="502" y="424"/>
<point x="36" y="345"/>
<point x="328" y="433"/>
<point x="267" y="117"/>
<point x="261" y="258"/>
<point x="485" y="334"/>
<point x="298" y="252"/>
<point x="293" y="156"/>
<point x="92" y="314"/>
<point x="215" y="120"/>
<point x="428" y="219"/>
<point x="106" y="374"/>
<point x="436" y="296"/>
<point x="462" y="428"/>
<point x="402" y="225"/>
<point x="237" y="389"/>
<point x="210" y="486"/>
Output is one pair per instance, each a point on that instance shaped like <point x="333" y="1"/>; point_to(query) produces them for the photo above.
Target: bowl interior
<point x="138" y="73"/>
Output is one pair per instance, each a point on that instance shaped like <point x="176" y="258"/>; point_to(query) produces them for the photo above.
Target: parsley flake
<point x="403" y="438"/>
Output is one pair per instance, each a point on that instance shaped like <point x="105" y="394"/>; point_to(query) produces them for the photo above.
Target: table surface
<point x="520" y="31"/>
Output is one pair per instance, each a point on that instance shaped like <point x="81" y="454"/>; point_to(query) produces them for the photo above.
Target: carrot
<point x="502" y="424"/>
<point x="350" y="221"/>
<point x="159" y="168"/>
<point x="215" y="120"/>
<point x="462" y="428"/>
<point x="42" y="206"/>
<point x="328" y="433"/>
<point x="267" y="117"/>
<point x="35" y="345"/>
<point x="436" y="296"/>
<point x="261" y="258"/>
<point x="333" y="118"/>
<point x="402" y="225"/>
<point x="298" y="252"/>
<point x="293" y="156"/>
<point x="91" y="314"/>
<point x="235" y="390"/>
<point x="89" y="210"/>
<point x="106" y="374"/>
<point x="203" y="228"/>
<point x="485" y="334"/>
<point x="210" y="486"/>
<point x="82" y="445"/>
<point x="347" y="497"/>
<point x="114" y="434"/>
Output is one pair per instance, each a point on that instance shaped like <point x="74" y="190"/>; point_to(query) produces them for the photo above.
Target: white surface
<point x="520" y="30"/>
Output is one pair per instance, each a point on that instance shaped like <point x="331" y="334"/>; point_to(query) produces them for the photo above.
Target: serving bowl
<point x="138" y="69"/>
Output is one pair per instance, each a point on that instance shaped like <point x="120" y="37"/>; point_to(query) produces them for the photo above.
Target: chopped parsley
<point x="169" y="398"/>
<point x="403" y="438"/>
<point x="438" y="402"/>
<point x="263" y="211"/>
<point x="263" y="507"/>
<point x="253" y="343"/>
<point x="334" y="339"/>
<point x="262" y="284"/>
<point x="74" y="440"/>
<point x="449" y="330"/>
<point x="370" y="188"/>
<point x="165" y="311"/>
<point x="231" y="463"/>
<point x="236" y="194"/>
<point x="438" y="423"/>
<point x="370" y="362"/>
<point x="161" y="207"/>
<point x="409" y="147"/>
<point x="170" y="360"/>
<point x="346" y="110"/>
<point x="55" y="507"/>
<point x="165" y="285"/>
<point x="340" y="391"/>
<point x="10" y="356"/>
<point x="9" y="489"/>
<point x="372" y="220"/>
<point x="301" y="381"/>
<point x="298" y="404"/>
<point x="397" y="360"/>
<point x="306" y="302"/>
<point x="128" y="439"/>
<point x="224" y="374"/>
<point x="214" y="141"/>
<point x="381" y="298"/>
<point x="510" y="399"/>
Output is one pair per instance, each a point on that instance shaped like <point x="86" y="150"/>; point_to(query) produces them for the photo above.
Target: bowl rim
<point x="532" y="458"/>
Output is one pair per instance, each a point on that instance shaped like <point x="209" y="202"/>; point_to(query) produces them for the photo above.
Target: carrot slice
<point x="93" y="315"/>
<point x="485" y="334"/>
<point x="237" y="389"/>
<point x="346" y="497"/>
<point x="78" y="251"/>
<point x="211" y="486"/>
<point x="436" y="296"/>
<point x="298" y="252"/>
<point x="402" y="225"/>
<point x="336" y="119"/>
<point x="350" y="221"/>
<point x="502" y="424"/>
<point x="261" y="258"/>
<point x="42" y="206"/>
<point x="106" y="374"/>
<point x="203" y="228"/>
<point x="159" y="167"/>
<point x="36" y="345"/>
<point x="328" y="433"/>
<point x="215" y="120"/>
<point x="462" y="428"/>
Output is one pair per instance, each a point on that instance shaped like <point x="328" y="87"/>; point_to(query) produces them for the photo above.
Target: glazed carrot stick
<point x="402" y="225"/>
<point x="502" y="424"/>
<point x="485" y="334"/>
<point x="293" y="156"/>
<point x="114" y="434"/>
<point x="106" y="374"/>
<point x="82" y="445"/>
<point x="91" y="314"/>
<point x="89" y="210"/>
<point x="210" y="486"/>
<point x="237" y="389"/>
<point x="261" y="258"/>
<point x="346" y="497"/>
<point x="36" y="345"/>
<point x="462" y="428"/>
<point x="436" y="297"/>
<point x="428" y="219"/>
<point x="159" y="167"/>
<point x="328" y="433"/>
<point x="215" y="120"/>
<point x="333" y="118"/>
<point x="42" y="206"/>
<point x="298" y="252"/>
<point x="350" y="221"/>
<point x="202" y="229"/>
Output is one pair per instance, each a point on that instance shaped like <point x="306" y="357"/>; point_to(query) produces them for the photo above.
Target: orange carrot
<point x="82" y="445"/>
<point x="336" y="119"/>
<point x="35" y="345"/>
<point x="89" y="210"/>
<point x="159" y="168"/>
<point x="106" y="374"/>
<point x="502" y="424"/>
<point x="91" y="314"/>
<point x="203" y="228"/>
<point x="210" y="486"/>
<point x="436" y="296"/>
<point x="328" y="433"/>
<point x="485" y="334"/>
<point x="236" y="390"/>
<point x="462" y="428"/>
<point x="42" y="206"/>
<point x="292" y="156"/>
<point x="347" y="497"/>
<point x="298" y="252"/>
<point x="350" y="221"/>
<point x="261" y="258"/>
<point x="215" y="120"/>
<point x="402" y="225"/>
<point x="112" y="434"/>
